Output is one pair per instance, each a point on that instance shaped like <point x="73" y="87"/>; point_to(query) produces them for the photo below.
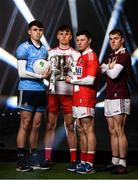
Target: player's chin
<point x="65" y="43"/>
<point x="80" y="48"/>
<point x="114" y="48"/>
<point x="38" y="38"/>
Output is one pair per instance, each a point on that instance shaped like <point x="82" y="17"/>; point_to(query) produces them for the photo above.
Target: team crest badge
<point x="81" y="61"/>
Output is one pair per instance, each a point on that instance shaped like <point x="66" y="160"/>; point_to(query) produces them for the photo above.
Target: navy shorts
<point x="34" y="101"/>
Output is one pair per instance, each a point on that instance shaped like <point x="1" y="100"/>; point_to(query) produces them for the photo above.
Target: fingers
<point x="46" y="74"/>
<point x="68" y="79"/>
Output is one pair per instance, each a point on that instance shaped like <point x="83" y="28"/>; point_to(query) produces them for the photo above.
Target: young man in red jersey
<point x="60" y="96"/>
<point x="117" y="102"/>
<point x="84" y="100"/>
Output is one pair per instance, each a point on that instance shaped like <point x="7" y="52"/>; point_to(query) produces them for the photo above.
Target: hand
<point x="46" y="74"/>
<point x="68" y="65"/>
<point x="68" y="79"/>
<point x="111" y="63"/>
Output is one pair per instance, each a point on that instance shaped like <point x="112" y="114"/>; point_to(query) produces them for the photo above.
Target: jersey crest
<point x="111" y="59"/>
<point x="80" y="61"/>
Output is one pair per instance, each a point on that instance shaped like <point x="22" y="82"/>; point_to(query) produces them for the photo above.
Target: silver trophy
<point x="72" y="65"/>
<point x="54" y="62"/>
<point x="72" y="68"/>
<point x="62" y="67"/>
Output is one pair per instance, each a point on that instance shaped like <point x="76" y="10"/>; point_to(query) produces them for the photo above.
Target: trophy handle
<point x="54" y="64"/>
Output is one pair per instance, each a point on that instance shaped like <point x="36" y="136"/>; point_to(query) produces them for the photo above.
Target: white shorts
<point x="116" y="106"/>
<point x="81" y="112"/>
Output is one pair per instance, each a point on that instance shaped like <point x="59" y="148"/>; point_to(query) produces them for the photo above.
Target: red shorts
<point x="57" y="103"/>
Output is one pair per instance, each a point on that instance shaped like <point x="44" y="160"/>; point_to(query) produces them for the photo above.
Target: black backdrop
<point x="92" y="15"/>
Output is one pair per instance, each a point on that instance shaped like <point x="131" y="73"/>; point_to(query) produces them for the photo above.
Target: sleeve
<point x="114" y="73"/>
<point x="88" y="80"/>
<point x="26" y="74"/>
<point x="104" y="67"/>
<point x="21" y="52"/>
<point x="123" y="59"/>
<point x="92" y="65"/>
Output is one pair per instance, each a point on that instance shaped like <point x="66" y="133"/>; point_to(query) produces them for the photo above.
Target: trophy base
<point x="61" y="79"/>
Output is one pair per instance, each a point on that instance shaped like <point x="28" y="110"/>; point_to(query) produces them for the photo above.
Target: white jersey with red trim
<point x="58" y="58"/>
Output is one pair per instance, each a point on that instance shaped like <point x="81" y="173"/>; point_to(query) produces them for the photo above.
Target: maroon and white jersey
<point x="118" y="88"/>
<point x="61" y="87"/>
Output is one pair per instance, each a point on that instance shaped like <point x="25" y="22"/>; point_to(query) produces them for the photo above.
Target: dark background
<point x="92" y="15"/>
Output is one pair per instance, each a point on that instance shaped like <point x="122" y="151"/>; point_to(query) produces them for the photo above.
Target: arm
<point x="88" y="80"/>
<point x="23" y="73"/>
<point x="115" y="71"/>
<point x="104" y="67"/>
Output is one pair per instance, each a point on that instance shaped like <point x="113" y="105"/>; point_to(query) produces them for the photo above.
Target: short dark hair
<point x="37" y="23"/>
<point x="84" y="32"/>
<point x="64" y="28"/>
<point x="117" y="31"/>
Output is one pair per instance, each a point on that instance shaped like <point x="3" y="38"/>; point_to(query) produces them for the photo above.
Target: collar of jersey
<point x="63" y="49"/>
<point x="30" y="42"/>
<point x="116" y="52"/>
<point x="87" y="51"/>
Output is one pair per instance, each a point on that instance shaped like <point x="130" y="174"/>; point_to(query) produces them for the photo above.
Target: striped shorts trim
<point x="116" y="106"/>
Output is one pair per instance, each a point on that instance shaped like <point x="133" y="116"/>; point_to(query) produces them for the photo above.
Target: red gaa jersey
<point x="87" y="65"/>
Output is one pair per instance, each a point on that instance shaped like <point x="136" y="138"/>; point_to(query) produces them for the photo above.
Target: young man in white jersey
<point x="32" y="95"/>
<point x="60" y="96"/>
<point x="117" y="102"/>
<point x="84" y="100"/>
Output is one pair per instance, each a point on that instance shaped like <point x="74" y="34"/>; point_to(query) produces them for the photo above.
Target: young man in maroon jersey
<point x="117" y="101"/>
<point x="84" y="100"/>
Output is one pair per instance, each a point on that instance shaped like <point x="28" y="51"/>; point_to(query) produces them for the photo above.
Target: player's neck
<point x="36" y="43"/>
<point x="62" y="46"/>
<point x="119" y="49"/>
<point x="84" y="51"/>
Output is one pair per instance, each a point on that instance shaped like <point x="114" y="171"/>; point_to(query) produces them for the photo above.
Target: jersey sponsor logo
<point x="34" y="54"/>
<point x="79" y="71"/>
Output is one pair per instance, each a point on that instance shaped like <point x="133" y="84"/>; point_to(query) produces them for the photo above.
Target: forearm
<point x="23" y="73"/>
<point x="88" y="80"/>
<point x="31" y="75"/>
<point x="114" y="72"/>
<point x="104" y="67"/>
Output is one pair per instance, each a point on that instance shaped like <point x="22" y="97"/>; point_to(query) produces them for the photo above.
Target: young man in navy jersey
<point x="117" y="102"/>
<point x="32" y="95"/>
